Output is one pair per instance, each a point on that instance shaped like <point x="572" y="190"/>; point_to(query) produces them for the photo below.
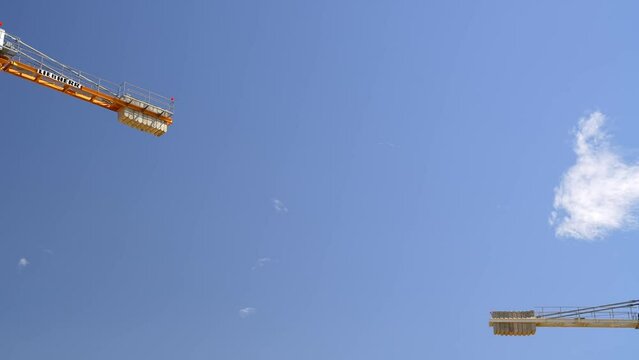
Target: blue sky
<point x="343" y="180"/>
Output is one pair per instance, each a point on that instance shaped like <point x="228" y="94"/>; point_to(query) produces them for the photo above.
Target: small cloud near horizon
<point x="23" y="263"/>
<point x="389" y="144"/>
<point x="279" y="206"/>
<point x="246" y="312"/>
<point x="261" y="262"/>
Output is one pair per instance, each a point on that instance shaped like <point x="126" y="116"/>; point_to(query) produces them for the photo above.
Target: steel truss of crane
<point x="618" y="315"/>
<point x="136" y="107"/>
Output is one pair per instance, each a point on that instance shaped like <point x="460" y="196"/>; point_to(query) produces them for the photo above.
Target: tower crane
<point x="136" y="107"/>
<point x="520" y="323"/>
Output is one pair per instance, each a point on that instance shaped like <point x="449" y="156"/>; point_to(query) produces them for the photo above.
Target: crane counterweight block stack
<point x="136" y="107"/>
<point x="512" y="326"/>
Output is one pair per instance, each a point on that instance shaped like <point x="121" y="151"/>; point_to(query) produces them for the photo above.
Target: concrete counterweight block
<point x="513" y="327"/>
<point x="143" y="122"/>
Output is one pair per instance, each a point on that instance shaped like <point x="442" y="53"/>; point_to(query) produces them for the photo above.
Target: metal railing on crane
<point x="137" y="107"/>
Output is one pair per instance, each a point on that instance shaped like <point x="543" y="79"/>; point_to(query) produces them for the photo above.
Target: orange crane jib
<point x="149" y="113"/>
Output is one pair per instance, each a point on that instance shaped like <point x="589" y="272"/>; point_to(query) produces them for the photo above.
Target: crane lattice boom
<point x="618" y="315"/>
<point x="136" y="107"/>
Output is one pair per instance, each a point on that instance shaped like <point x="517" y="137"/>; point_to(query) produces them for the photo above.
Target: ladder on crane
<point x="520" y="323"/>
<point x="136" y="107"/>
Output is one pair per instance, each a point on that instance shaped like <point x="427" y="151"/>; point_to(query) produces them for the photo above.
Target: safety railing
<point x="619" y="311"/>
<point x="146" y="96"/>
<point x="27" y="54"/>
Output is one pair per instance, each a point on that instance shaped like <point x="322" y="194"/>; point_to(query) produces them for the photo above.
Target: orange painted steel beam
<point x="87" y="94"/>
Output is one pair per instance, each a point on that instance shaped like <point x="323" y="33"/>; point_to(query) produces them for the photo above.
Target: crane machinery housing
<point x="520" y="323"/>
<point x="136" y="107"/>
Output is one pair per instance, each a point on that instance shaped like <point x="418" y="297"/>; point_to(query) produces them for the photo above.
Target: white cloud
<point x="600" y="192"/>
<point x="261" y="262"/>
<point x="279" y="206"/>
<point x="389" y="144"/>
<point x="22" y="263"/>
<point x="246" y="312"/>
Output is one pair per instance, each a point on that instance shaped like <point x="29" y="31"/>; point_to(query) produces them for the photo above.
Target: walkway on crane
<point x="136" y="107"/>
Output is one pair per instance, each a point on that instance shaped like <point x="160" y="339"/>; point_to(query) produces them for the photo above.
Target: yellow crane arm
<point x="137" y="108"/>
<point x="520" y="323"/>
<point x="522" y="327"/>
